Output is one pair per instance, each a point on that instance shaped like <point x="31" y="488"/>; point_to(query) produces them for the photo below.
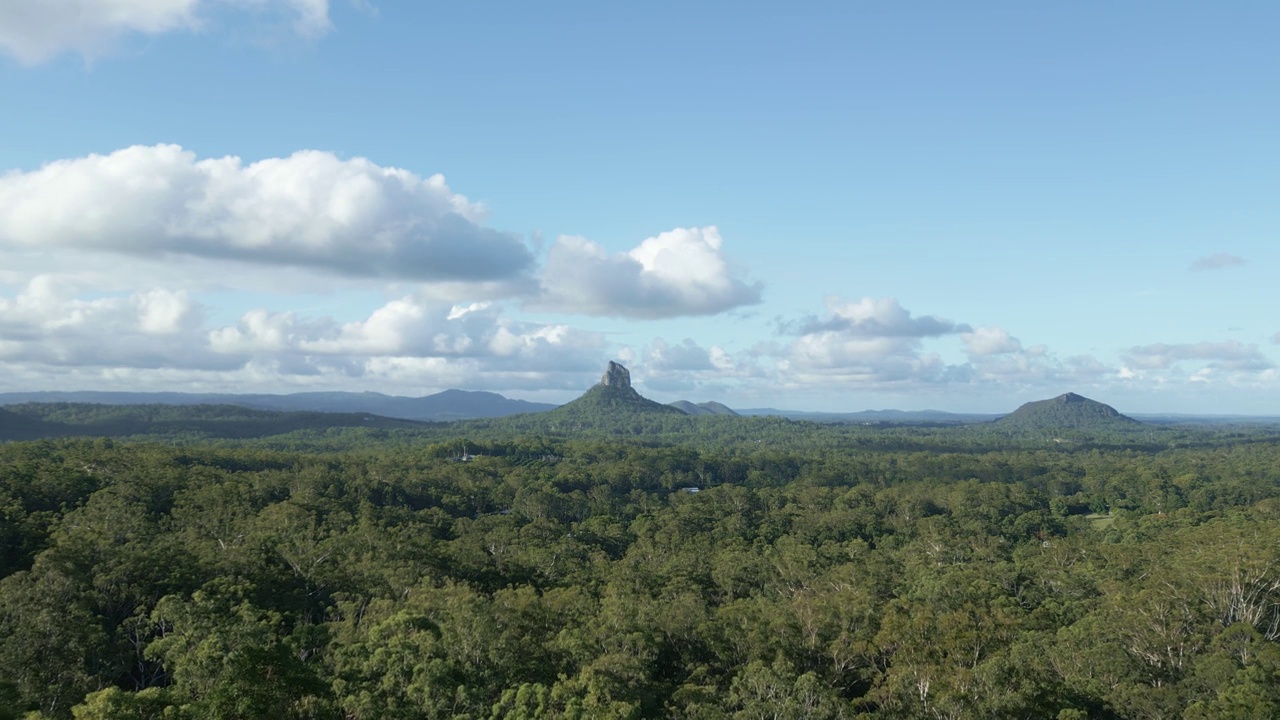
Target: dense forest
<point x="667" y="566"/>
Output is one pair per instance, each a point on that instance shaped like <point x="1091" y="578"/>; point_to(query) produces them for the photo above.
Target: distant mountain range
<point x="443" y="406"/>
<point x="40" y="420"/>
<point x="613" y="394"/>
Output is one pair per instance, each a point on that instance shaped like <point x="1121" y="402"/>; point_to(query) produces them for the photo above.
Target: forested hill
<point x="705" y="408"/>
<point x="1069" y="412"/>
<point x="14" y="426"/>
<point x="22" y="422"/>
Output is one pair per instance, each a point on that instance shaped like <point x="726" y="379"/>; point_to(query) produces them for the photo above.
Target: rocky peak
<point x="616" y="376"/>
<point x="1070" y="398"/>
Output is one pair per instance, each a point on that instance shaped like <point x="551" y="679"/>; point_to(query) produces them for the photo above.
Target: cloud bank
<point x="311" y="209"/>
<point x="1229" y="355"/>
<point x="46" y="329"/>
<point x="35" y="31"/>
<point x="677" y="273"/>
<point x="874" y="346"/>
<point x="873" y="318"/>
<point x="866" y="341"/>
<point x="150" y="267"/>
<point x="122" y="266"/>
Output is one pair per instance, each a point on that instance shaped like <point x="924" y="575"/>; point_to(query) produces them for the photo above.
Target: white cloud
<point x="262" y="332"/>
<point x="677" y="273"/>
<point x="867" y="341"/>
<point x="310" y="210"/>
<point x="690" y="369"/>
<point x="49" y="303"/>
<point x="858" y="355"/>
<point x="47" y="323"/>
<point x="35" y="31"/>
<point x="412" y="327"/>
<point x="873" y="318"/>
<point x="1230" y="355"/>
<point x="1037" y="368"/>
<point x="877" y="345"/>
<point x="985" y="341"/>
<point x="687" y="355"/>
<point x="126" y="266"/>
<point x="162" y="312"/>
<point x="55" y="332"/>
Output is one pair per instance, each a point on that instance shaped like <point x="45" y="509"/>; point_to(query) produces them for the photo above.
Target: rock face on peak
<point x="612" y="397"/>
<point x="616" y="376"/>
<point x="1067" y="411"/>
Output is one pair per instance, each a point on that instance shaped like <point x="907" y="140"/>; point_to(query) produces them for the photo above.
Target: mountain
<point x="1067" y="412"/>
<point x="612" y="397"/>
<point x="458" y="404"/>
<point x="447" y="405"/>
<point x="706" y="408"/>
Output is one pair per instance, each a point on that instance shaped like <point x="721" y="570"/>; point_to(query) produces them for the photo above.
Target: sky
<point x="809" y="206"/>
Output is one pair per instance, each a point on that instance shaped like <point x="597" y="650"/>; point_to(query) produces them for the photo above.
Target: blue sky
<point x="814" y="206"/>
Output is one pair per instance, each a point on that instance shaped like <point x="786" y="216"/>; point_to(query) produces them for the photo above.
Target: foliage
<point x="499" y="572"/>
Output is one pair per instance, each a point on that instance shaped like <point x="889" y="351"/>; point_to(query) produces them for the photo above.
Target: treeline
<point x="534" y="577"/>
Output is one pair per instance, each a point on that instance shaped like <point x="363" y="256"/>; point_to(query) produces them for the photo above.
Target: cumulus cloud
<point x="866" y="341"/>
<point x="686" y="355"/>
<point x="51" y="335"/>
<point x="878" y="345"/>
<point x="107" y="263"/>
<point x="873" y="318"/>
<point x="310" y="210"/>
<point x="1036" y="367"/>
<point x="35" y="31"/>
<point x="985" y="341"/>
<point x="688" y="367"/>
<point x="1230" y="355"/>
<point x="998" y="358"/>
<point x="677" y="273"/>
<point x="417" y="328"/>
<point x="47" y="323"/>
<point x="1217" y="261"/>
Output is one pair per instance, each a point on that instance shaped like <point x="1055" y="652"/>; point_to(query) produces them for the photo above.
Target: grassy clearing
<point x="1101" y="521"/>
